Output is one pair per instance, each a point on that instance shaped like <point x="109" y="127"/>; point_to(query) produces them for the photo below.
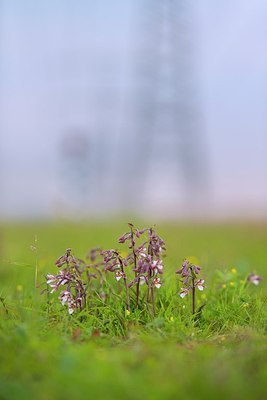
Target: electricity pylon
<point x="166" y="139"/>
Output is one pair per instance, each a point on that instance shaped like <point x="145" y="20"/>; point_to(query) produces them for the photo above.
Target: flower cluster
<point x="144" y="259"/>
<point x="147" y="268"/>
<point x="190" y="280"/>
<point x="66" y="298"/>
<point x="148" y="263"/>
<point x="113" y="262"/>
<point x="74" y="294"/>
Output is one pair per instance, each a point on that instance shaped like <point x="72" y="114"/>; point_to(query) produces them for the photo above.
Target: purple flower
<point x="67" y="258"/>
<point x="156" y="244"/>
<point x="124" y="237"/>
<point x="187" y="269"/>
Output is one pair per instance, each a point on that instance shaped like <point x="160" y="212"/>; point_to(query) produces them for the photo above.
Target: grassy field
<point x="106" y="353"/>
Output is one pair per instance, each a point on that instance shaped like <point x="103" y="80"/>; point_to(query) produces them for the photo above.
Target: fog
<point x="110" y="107"/>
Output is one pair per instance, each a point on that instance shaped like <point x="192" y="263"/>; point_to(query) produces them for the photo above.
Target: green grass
<point x="107" y="354"/>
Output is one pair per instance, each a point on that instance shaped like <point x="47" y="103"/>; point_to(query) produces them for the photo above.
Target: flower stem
<point x="153" y="300"/>
<point x="135" y="267"/>
<point x="193" y="296"/>
<point x="126" y="286"/>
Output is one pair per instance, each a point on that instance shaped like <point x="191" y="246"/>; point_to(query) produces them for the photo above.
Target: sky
<point x="65" y="63"/>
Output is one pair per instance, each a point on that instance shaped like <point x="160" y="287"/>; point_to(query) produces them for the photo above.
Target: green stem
<point x="193" y="296"/>
<point x="126" y="286"/>
<point x="153" y="300"/>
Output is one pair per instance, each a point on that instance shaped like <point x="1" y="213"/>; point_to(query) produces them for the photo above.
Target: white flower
<point x="157" y="283"/>
<point x="65" y="297"/>
<point x="143" y="252"/>
<point x="157" y="266"/>
<point x="199" y="284"/>
<point x="183" y="293"/>
<point x="255" y="279"/>
<point x="119" y="275"/>
<point x="50" y="279"/>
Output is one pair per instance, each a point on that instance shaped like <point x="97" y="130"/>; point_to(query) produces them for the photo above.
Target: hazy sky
<point x="60" y="59"/>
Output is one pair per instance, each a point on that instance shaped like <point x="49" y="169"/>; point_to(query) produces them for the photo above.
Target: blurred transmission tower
<point x="166" y="142"/>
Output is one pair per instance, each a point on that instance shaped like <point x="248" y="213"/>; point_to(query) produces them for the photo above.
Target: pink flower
<point x="157" y="283"/>
<point x="255" y="279"/>
<point x="119" y="275"/>
<point x="157" y="267"/>
<point x="184" y="292"/>
<point x="199" y="284"/>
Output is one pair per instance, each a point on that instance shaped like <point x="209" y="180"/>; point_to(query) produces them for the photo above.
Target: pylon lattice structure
<point x="166" y="141"/>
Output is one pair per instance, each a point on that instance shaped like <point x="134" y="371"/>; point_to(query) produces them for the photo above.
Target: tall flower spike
<point x="190" y="281"/>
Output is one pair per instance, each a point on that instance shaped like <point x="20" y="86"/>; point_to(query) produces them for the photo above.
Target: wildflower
<point x="184" y="270"/>
<point x="157" y="283"/>
<point x="253" y="278"/>
<point x="74" y="295"/>
<point x="199" y="284"/>
<point x="233" y="271"/>
<point x="187" y="268"/>
<point x="67" y="299"/>
<point x="54" y="281"/>
<point x="232" y="284"/>
<point x="156" y="244"/>
<point x="141" y="251"/>
<point x="184" y="292"/>
<point x="114" y="262"/>
<point x="67" y="258"/>
<point x="124" y="237"/>
<point x="190" y="281"/>
<point x="224" y="286"/>
<point x="157" y="267"/>
<point x="119" y="275"/>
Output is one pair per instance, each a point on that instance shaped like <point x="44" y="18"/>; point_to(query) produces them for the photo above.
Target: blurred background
<point x="151" y="107"/>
